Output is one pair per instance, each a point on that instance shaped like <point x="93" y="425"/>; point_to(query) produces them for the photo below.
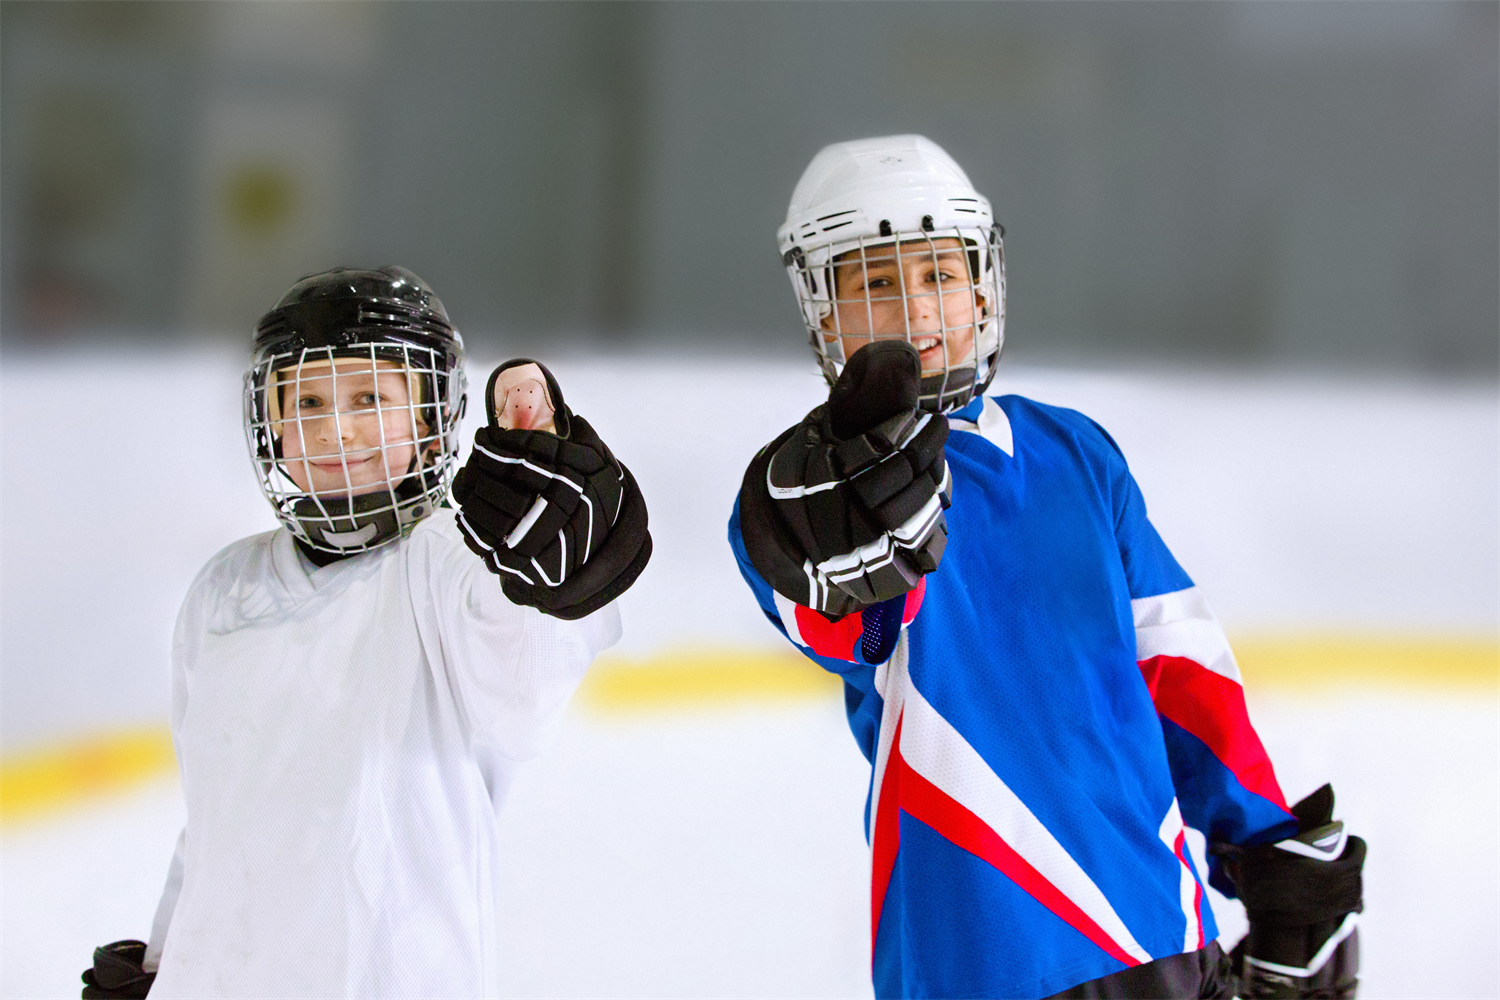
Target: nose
<point x="923" y="311"/>
<point x="328" y="427"/>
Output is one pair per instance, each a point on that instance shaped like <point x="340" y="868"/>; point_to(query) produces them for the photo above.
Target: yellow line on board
<point x="1317" y="661"/>
<point x="44" y="780"/>
<point x="706" y="676"/>
<point x="41" y="781"/>
<point x="703" y="677"/>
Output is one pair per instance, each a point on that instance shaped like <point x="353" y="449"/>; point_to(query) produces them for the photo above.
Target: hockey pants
<point x="1194" y="975"/>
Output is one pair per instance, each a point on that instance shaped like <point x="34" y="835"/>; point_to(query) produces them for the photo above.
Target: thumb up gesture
<point x="544" y="502"/>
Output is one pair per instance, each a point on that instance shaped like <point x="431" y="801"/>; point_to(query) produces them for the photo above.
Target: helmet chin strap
<point x="934" y="389"/>
<point x="367" y="528"/>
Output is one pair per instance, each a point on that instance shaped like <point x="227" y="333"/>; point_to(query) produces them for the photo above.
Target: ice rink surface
<point x="718" y="851"/>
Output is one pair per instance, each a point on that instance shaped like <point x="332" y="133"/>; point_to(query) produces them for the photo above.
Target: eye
<point x="308" y="402"/>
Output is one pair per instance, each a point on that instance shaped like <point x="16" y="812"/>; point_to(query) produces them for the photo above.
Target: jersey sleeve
<point x="864" y="638"/>
<point x="851" y="647"/>
<point x="1225" y="783"/>
<point x="187" y="633"/>
<point x="165" y="908"/>
<point x="511" y="669"/>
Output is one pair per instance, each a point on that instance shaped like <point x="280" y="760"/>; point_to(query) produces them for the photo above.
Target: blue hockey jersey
<point x="1043" y="715"/>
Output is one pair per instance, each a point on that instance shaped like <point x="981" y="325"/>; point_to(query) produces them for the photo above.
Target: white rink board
<point x="1296" y="504"/>
<point x="720" y="852"/>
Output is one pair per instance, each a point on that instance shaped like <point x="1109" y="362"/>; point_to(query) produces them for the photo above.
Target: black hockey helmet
<point x="332" y="309"/>
<point x="391" y="317"/>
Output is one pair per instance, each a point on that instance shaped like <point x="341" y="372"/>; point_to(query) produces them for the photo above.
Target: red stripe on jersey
<point x="1180" y="847"/>
<point x="920" y="799"/>
<point x="926" y="802"/>
<point x="832" y="639"/>
<point x="1212" y="708"/>
<point x="887" y="838"/>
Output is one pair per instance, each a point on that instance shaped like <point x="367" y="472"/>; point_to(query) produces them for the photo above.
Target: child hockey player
<point x="1043" y="694"/>
<point x="352" y="693"/>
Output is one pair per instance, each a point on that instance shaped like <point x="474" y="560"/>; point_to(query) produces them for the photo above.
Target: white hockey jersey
<point x="345" y="737"/>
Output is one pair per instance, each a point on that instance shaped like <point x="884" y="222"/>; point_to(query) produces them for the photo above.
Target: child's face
<point x="923" y="289"/>
<point x="347" y="428"/>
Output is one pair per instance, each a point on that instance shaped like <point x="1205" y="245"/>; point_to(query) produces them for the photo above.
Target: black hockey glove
<point x="555" y="515"/>
<point x="117" y="972"/>
<point x="845" y="510"/>
<point x="1303" y="896"/>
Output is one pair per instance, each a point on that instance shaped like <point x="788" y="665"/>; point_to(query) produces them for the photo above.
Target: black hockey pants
<point x="1194" y="975"/>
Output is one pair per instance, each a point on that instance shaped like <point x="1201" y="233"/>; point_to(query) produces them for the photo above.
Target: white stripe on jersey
<point x="1182" y="624"/>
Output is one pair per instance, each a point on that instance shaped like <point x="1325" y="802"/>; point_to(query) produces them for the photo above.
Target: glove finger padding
<point x="558" y="518"/>
<point x="857" y="490"/>
<point x="610" y="571"/>
<point x="569" y="513"/>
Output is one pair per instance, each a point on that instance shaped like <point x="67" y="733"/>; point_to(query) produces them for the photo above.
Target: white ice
<point x="720" y="853"/>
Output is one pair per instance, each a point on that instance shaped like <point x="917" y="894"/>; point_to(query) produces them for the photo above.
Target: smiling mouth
<point x="349" y="457"/>
<point x="351" y="471"/>
<point x="925" y="344"/>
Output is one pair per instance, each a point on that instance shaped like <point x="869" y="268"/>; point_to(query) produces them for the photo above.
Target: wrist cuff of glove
<point x="117" y="971"/>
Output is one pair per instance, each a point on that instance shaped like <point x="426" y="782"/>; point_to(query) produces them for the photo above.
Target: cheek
<point x="297" y="470"/>
<point x="860" y="316"/>
<point x="853" y="342"/>
<point x="398" y="458"/>
<point x="291" y="442"/>
<point x="397" y="424"/>
<point x="842" y="317"/>
<point x="960" y="307"/>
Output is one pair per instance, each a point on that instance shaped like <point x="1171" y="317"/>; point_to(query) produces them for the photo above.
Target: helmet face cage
<point x="841" y="314"/>
<point x="350" y="517"/>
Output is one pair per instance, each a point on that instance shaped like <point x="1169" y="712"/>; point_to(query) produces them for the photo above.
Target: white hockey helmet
<point x="903" y="193"/>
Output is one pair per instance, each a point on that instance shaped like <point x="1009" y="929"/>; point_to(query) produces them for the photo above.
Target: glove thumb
<point x="522" y="395"/>
<point x="1314" y="811"/>
<point x="881" y="380"/>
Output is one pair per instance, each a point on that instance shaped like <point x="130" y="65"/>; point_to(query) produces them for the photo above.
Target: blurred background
<point x="1258" y="183"/>
<point x="1259" y="242"/>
